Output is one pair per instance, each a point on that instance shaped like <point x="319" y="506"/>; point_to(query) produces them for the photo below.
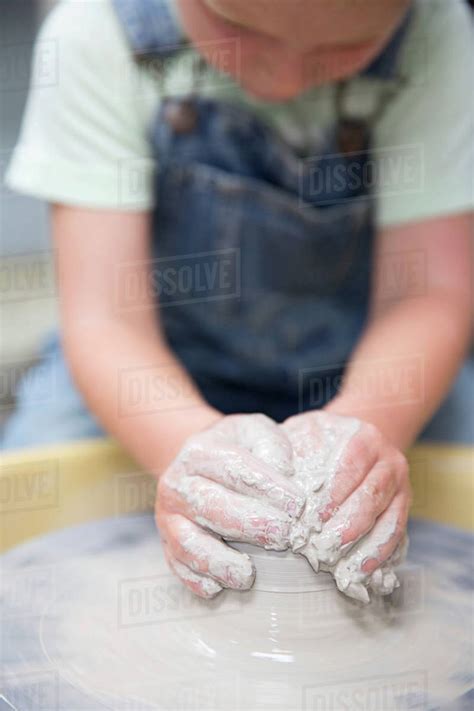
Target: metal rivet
<point x="352" y="136"/>
<point x="181" y="116"/>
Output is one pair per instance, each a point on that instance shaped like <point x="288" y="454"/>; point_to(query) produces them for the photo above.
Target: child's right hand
<point x="228" y="482"/>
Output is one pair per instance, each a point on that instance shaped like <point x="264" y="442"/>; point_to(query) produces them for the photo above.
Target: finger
<point x="385" y="541"/>
<point x="359" y="457"/>
<point x="233" y="516"/>
<point x="319" y="443"/>
<point x="356" y="516"/>
<point x="237" y="469"/>
<point x="383" y="580"/>
<point x="352" y="573"/>
<point x="205" y="554"/>
<point x="265" y="440"/>
<point x="198" y="584"/>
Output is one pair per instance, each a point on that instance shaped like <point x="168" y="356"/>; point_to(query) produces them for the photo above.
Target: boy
<point x="264" y="132"/>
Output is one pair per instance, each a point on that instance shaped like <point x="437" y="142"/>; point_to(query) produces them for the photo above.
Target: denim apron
<point x="275" y="333"/>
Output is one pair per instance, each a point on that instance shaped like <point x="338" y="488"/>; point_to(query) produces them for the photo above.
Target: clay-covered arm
<point x="419" y="329"/>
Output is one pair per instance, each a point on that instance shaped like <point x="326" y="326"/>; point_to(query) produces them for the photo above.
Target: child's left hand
<point x="358" y="499"/>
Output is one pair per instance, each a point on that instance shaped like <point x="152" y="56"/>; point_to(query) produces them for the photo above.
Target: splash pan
<point x="92" y="619"/>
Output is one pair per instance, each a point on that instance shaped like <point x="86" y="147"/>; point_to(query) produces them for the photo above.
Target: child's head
<point x="288" y="46"/>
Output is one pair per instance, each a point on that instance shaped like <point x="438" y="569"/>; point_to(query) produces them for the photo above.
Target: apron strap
<point x="353" y="134"/>
<point x="386" y="64"/>
<point x="151" y="26"/>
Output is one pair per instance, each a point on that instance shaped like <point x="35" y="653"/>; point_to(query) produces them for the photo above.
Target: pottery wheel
<point x="92" y="619"/>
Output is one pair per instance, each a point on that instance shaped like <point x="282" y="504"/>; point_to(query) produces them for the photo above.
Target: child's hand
<point x="230" y="482"/>
<point x="357" y="484"/>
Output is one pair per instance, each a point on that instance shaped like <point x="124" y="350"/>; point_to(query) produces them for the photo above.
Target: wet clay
<point x="95" y="616"/>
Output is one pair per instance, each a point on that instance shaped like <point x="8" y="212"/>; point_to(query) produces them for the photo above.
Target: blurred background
<point x="27" y="291"/>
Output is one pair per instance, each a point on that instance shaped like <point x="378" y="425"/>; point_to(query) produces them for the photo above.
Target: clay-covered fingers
<point x="200" y="585"/>
<point x="320" y="441"/>
<point x="232" y="516"/>
<point x="361" y="454"/>
<point x="204" y="554"/>
<point x="231" y="481"/>
<point x="357" y="515"/>
<point x="387" y="533"/>
<point x="261" y="436"/>
<point x="356" y="571"/>
<point x="238" y="470"/>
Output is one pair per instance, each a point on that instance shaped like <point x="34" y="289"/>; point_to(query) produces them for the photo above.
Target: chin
<point x="273" y="96"/>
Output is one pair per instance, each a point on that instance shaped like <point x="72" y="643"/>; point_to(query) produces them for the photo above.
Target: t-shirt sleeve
<point x="84" y="139"/>
<point x="425" y="139"/>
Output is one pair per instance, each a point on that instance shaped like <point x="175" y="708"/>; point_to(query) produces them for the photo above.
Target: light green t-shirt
<point x="85" y="134"/>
